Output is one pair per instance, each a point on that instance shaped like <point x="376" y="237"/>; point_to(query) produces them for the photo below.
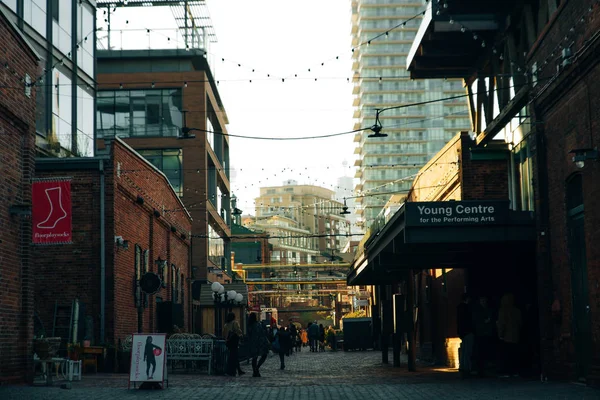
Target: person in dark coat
<point x="285" y="343"/>
<point x="313" y="336"/>
<point x="259" y="344"/>
<point x="464" y="325"/>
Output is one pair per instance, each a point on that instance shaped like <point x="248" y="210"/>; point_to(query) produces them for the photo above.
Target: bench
<point x="183" y="350"/>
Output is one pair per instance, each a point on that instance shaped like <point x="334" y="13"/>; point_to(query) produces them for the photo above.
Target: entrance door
<point x="579" y="278"/>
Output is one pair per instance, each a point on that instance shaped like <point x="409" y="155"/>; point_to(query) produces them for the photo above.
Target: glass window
<point x="210" y="135"/>
<point x="139" y="113"/>
<point x="40" y="110"/>
<point x="216" y="246"/>
<point x="61" y="109"/>
<point x="85" y="37"/>
<point x="170" y="163"/>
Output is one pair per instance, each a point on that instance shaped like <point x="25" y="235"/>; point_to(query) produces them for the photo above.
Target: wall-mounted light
<point x="157" y="213"/>
<point x="581" y="155"/>
<point x="120" y="242"/>
<point x="139" y="200"/>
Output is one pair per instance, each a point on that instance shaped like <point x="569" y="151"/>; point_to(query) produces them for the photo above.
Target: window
<point x="170" y="162"/>
<point x="152" y="113"/>
<point x="137" y="275"/>
<point x="181" y="288"/>
<point x="173" y="284"/>
<point x="216" y="247"/>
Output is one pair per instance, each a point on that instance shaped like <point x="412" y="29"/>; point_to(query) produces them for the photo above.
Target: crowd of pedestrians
<point x="283" y="340"/>
<point x="504" y="337"/>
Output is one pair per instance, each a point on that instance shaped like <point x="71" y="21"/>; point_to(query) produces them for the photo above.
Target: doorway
<point x="582" y="336"/>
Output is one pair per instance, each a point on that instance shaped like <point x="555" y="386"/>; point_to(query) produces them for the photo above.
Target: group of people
<point x="486" y="336"/>
<point x="282" y="340"/>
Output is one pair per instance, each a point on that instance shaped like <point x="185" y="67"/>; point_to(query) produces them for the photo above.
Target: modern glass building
<point x="382" y="34"/>
<point x="63" y="33"/>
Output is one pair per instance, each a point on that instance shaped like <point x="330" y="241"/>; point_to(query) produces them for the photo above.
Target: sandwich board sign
<point x="148" y="359"/>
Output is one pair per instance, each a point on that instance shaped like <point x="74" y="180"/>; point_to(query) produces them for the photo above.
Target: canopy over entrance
<point x="447" y="234"/>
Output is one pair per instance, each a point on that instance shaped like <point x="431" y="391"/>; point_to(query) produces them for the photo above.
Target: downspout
<point x="102" y="252"/>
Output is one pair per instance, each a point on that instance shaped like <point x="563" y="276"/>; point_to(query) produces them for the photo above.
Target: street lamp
<point x="223" y="300"/>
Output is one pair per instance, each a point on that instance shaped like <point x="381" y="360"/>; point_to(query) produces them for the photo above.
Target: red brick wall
<point x="66" y="272"/>
<point x="137" y="224"/>
<point x="17" y="138"/>
<point x="568" y="117"/>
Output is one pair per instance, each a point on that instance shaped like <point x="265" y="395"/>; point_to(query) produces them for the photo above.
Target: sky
<point x="281" y="41"/>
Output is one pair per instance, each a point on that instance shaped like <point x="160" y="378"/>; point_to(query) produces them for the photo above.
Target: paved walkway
<point x="314" y="376"/>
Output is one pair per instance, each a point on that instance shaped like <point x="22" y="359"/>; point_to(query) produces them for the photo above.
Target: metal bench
<point x="194" y="350"/>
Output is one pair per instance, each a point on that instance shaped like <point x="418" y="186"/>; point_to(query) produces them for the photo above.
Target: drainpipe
<point x="102" y="252"/>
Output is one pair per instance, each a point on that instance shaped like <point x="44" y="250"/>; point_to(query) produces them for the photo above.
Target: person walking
<point x="293" y="335"/>
<point x="321" y="337"/>
<point x="232" y="334"/>
<point x="259" y="344"/>
<point x="285" y="343"/>
<point x="509" y="331"/>
<point x="464" y="325"/>
<point x="304" y="337"/>
<point x="313" y="336"/>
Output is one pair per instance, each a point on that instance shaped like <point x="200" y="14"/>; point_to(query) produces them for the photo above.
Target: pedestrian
<point x="321" y="337"/>
<point x="232" y="334"/>
<point x="293" y="334"/>
<point x="484" y="334"/>
<point x="304" y="337"/>
<point x="331" y="339"/>
<point x="464" y="325"/>
<point x="313" y="336"/>
<point x="285" y="342"/>
<point x="259" y="344"/>
<point x="509" y="331"/>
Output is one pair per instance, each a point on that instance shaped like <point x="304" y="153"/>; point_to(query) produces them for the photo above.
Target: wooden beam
<point x="479" y="106"/>
<point x="471" y="104"/>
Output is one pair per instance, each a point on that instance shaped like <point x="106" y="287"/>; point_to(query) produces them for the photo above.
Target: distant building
<point x="304" y="222"/>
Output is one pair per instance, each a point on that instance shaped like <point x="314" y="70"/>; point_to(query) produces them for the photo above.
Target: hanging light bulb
<point x="463" y="29"/>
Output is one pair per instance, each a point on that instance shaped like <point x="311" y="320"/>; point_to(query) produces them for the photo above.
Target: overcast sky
<point x="282" y="39"/>
<point x="278" y="39"/>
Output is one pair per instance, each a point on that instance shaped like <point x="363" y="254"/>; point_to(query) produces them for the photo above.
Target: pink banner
<point x="51" y="212"/>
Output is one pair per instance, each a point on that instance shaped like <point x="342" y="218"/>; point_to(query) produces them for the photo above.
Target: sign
<point x="150" y="283"/>
<point x="51" y="211"/>
<point x="456" y="213"/>
<point x="148" y="358"/>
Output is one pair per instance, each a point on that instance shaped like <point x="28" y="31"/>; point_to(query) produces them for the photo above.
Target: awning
<point x="448" y="234"/>
<point x="445" y="44"/>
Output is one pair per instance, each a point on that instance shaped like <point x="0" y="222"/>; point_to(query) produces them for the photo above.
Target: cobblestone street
<point x="341" y="375"/>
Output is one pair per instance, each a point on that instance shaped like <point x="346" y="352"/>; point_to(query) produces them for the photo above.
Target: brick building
<point x="197" y="165"/>
<point x="423" y="263"/>
<point x="127" y="220"/>
<point x="531" y="74"/>
<point x="17" y="151"/>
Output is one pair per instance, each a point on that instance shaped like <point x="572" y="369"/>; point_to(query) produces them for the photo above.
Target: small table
<point x="90" y="356"/>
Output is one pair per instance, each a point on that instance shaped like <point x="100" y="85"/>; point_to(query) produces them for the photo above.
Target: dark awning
<point x="449" y="234"/>
<point x="444" y="46"/>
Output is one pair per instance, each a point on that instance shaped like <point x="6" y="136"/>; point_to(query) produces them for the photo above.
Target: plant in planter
<point x="46" y="348"/>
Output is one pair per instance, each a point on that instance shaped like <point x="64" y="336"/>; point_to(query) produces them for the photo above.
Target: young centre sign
<point x="452" y="213"/>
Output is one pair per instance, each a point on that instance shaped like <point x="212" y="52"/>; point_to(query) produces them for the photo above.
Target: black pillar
<point x="410" y="307"/>
<point x="399" y="327"/>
